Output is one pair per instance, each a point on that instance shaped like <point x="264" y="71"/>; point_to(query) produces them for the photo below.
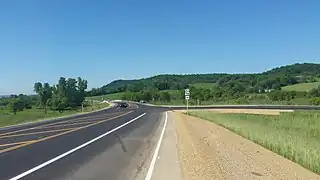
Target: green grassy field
<point x="292" y="135"/>
<point x="115" y="96"/>
<point x="301" y="87"/>
<point x="204" y="85"/>
<point x="8" y="118"/>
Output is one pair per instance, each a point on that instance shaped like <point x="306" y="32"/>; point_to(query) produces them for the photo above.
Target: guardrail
<point x="261" y="106"/>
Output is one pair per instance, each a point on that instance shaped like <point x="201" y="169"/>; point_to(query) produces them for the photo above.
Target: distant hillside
<point x="272" y="79"/>
<point x="305" y="69"/>
<point x="301" y="86"/>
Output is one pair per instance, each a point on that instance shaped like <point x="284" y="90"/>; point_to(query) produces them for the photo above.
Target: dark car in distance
<point x="123" y="105"/>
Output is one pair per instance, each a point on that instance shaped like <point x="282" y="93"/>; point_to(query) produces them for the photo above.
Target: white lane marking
<point x="156" y="152"/>
<point x="72" y="150"/>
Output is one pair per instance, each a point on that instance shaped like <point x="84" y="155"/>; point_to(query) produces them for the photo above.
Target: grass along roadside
<point x="34" y="114"/>
<point x="301" y="86"/>
<point x="292" y="135"/>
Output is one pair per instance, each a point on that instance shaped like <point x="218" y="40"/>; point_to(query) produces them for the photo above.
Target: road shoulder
<point x="209" y="151"/>
<point x="168" y="164"/>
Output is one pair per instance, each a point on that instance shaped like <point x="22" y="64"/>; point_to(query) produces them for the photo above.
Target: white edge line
<point x="156" y="152"/>
<point x="72" y="150"/>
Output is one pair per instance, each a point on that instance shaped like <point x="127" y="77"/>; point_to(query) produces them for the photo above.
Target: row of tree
<point x="19" y="102"/>
<point x="219" y="94"/>
<point x="147" y="96"/>
<point x="67" y="94"/>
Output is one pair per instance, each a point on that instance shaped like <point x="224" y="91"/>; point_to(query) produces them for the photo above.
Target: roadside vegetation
<point x="204" y="85"/>
<point x="292" y="135"/>
<point x="302" y="86"/>
<point x="291" y="84"/>
<point x="37" y="114"/>
<point x="65" y="98"/>
<point x="115" y="96"/>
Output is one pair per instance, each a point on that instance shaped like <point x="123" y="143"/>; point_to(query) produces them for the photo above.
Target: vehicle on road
<point x="123" y="105"/>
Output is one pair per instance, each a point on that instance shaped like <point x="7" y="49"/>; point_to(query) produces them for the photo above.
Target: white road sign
<point x="186" y="92"/>
<point x="187" y="97"/>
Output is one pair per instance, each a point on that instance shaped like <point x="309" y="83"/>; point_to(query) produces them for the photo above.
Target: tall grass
<point x="295" y="136"/>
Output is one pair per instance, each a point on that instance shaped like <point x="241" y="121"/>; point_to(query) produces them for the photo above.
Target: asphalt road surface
<point x="116" y="143"/>
<point x="101" y="145"/>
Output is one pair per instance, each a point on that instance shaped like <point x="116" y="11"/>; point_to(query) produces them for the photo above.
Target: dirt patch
<point x="209" y="151"/>
<point x="246" y="111"/>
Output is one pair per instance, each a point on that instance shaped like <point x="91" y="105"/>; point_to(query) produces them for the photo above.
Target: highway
<point x="109" y="144"/>
<point x="116" y="143"/>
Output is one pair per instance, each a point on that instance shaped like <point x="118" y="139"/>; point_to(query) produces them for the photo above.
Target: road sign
<point x="187" y="96"/>
<point x="186" y="92"/>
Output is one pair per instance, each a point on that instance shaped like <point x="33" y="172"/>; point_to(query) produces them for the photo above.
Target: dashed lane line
<point x="60" y="122"/>
<point x="39" y="132"/>
<point x="60" y="134"/>
<point x="11" y="144"/>
<point x="67" y="124"/>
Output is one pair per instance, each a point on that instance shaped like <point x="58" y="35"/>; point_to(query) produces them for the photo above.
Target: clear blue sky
<point x="41" y="40"/>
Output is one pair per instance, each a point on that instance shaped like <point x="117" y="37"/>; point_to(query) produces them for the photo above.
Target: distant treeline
<point x="219" y="94"/>
<point x="66" y="94"/>
<point x="237" y="83"/>
<point x="240" y="87"/>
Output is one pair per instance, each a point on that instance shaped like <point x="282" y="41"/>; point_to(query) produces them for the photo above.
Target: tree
<point x="315" y="92"/>
<point x="44" y="92"/>
<point x="82" y="86"/>
<point x="68" y="93"/>
<point x="165" y="96"/>
<point x="16" y="105"/>
<point x="276" y="86"/>
<point x="71" y="92"/>
<point x="315" y="101"/>
<point x="147" y="96"/>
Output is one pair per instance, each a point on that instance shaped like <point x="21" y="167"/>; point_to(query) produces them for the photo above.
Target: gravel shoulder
<point x="209" y="151"/>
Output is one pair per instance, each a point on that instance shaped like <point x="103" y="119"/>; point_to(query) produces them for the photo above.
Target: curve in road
<point x="116" y="143"/>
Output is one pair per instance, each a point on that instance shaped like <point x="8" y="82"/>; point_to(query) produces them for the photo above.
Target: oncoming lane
<point x="19" y="138"/>
<point x="24" y="148"/>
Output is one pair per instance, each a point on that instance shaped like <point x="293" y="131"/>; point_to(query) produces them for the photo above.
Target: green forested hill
<point x="250" y="83"/>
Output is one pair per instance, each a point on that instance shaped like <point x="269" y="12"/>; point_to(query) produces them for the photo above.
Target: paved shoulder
<point x="168" y="163"/>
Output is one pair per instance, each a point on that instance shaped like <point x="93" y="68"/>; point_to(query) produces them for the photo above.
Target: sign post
<point x="187" y="97"/>
<point x="82" y="107"/>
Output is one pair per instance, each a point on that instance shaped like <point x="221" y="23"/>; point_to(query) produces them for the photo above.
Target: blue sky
<point x="41" y="40"/>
